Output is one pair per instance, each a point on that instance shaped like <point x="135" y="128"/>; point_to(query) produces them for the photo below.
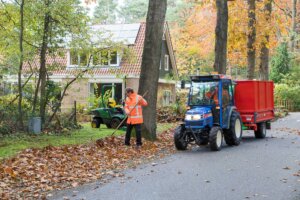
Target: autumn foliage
<point x="194" y="40"/>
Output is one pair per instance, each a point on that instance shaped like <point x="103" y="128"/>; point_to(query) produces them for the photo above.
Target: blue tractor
<point x="211" y="114"/>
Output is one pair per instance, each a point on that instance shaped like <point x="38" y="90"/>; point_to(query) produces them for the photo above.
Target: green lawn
<point x="11" y="145"/>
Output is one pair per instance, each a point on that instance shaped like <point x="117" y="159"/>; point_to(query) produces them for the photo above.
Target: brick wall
<point x="133" y="83"/>
<point x="78" y="91"/>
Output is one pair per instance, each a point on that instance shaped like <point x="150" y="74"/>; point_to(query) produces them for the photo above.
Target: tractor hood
<point x="199" y="110"/>
<point x="198" y="117"/>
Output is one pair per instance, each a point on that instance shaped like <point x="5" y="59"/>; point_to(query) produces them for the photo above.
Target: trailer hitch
<point x="197" y="139"/>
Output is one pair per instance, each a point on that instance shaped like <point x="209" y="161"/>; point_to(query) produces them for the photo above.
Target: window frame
<point x="165" y="103"/>
<point x="109" y="64"/>
<point x="87" y="55"/>
<point x="166" y="62"/>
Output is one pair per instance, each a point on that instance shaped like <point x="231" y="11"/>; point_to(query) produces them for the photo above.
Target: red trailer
<point x="255" y="103"/>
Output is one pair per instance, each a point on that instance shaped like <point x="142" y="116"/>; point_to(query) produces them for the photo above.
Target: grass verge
<point x="12" y="144"/>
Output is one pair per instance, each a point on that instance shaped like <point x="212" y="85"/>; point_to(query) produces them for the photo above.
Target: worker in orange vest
<point x="213" y="94"/>
<point x="133" y="109"/>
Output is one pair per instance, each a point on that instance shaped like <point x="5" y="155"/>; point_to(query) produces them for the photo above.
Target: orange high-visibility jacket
<point x="135" y="116"/>
<point x="213" y="95"/>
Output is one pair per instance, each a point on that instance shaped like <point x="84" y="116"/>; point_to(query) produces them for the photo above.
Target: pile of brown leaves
<point x="35" y="172"/>
<point x="167" y="115"/>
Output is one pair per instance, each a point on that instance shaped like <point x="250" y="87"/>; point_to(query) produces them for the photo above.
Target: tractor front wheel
<point x="261" y="130"/>
<point x="233" y="135"/>
<point x="180" y="138"/>
<point x="96" y="123"/>
<point x="215" y="138"/>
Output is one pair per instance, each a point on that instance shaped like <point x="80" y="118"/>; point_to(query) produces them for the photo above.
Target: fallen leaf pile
<point x="167" y="115"/>
<point x="35" y="172"/>
<point x="289" y="130"/>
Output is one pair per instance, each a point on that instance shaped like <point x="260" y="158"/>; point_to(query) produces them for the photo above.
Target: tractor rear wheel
<point x="96" y="123"/>
<point x="261" y="130"/>
<point x="233" y="135"/>
<point x="108" y="126"/>
<point x="180" y="138"/>
<point x="114" y="123"/>
<point x="215" y="138"/>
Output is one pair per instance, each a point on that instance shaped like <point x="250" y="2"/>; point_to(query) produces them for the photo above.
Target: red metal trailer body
<point x="255" y="102"/>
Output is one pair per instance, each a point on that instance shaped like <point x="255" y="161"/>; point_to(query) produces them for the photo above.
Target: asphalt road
<point x="256" y="169"/>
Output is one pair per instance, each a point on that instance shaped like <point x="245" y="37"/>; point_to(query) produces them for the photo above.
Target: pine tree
<point x="280" y="64"/>
<point x="106" y="12"/>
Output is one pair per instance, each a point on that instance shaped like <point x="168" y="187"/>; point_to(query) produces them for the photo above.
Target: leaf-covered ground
<point x="33" y="173"/>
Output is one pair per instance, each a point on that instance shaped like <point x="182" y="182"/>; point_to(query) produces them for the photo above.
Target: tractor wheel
<point x="180" y="139"/>
<point x="261" y="130"/>
<point x="204" y="142"/>
<point x="233" y="135"/>
<point x="96" y="123"/>
<point x="115" y="122"/>
<point x="215" y="138"/>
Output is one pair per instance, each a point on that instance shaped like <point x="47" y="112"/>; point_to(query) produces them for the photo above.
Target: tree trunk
<point x="221" y="37"/>
<point x="150" y="63"/>
<point x="43" y="70"/>
<point x="251" y="39"/>
<point x="21" y="65"/>
<point x="294" y="22"/>
<point x="264" y="51"/>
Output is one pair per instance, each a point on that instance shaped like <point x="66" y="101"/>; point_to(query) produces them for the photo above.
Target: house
<point x="115" y="71"/>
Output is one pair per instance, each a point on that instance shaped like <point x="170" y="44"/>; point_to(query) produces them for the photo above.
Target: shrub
<point x="286" y="92"/>
<point x="9" y="113"/>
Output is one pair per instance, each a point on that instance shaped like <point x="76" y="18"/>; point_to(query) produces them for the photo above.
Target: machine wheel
<point x="215" y="138"/>
<point x="179" y="139"/>
<point x="96" y="123"/>
<point x="233" y="135"/>
<point x="204" y="142"/>
<point x="108" y="126"/>
<point x="261" y="130"/>
<point x="115" y="122"/>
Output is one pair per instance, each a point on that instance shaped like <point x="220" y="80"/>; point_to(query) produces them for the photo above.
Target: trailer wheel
<point x="261" y="130"/>
<point x="233" y="135"/>
<point x="180" y="138"/>
<point x="215" y="138"/>
<point x="96" y="123"/>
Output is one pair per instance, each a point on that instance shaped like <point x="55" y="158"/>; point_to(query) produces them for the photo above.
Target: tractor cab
<point x="211" y="114"/>
<point x="210" y="99"/>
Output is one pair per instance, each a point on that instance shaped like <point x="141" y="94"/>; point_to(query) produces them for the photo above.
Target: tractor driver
<point x="213" y="94"/>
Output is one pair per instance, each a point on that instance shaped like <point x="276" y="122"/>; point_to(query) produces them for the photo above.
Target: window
<point x="97" y="89"/>
<point x="164" y="36"/>
<point x="73" y="57"/>
<point x="83" y="59"/>
<point x="78" y="59"/>
<point x="167" y="62"/>
<point x="104" y="58"/>
<point x="160" y="64"/>
<point x="166" y="98"/>
<point x="101" y="58"/>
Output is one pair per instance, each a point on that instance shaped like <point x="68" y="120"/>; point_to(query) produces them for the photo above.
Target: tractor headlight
<point x="193" y="117"/>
